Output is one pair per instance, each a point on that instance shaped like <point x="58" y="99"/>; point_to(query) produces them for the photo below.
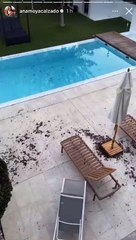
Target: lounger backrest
<point x="73" y="188"/>
<point x="70" y="209"/>
<point x="81" y="154"/>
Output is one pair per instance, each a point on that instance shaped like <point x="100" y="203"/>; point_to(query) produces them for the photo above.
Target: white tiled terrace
<point x="30" y="135"/>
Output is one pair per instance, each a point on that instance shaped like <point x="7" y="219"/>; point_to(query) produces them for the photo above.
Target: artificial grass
<point x="46" y="31"/>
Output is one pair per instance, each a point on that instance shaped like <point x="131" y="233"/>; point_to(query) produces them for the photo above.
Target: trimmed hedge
<point x="5" y="187"/>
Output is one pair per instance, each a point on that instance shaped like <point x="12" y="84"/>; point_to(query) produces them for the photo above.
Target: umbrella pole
<point x="115" y="132"/>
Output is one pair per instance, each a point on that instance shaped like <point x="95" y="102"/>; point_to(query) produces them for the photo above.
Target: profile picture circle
<point x="9" y="11"/>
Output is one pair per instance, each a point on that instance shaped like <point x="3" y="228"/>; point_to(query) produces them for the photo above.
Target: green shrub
<point x="5" y="187"/>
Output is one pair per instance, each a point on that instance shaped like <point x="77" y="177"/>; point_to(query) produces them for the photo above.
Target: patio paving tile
<point x="109" y="235"/>
<point x="131" y="236"/>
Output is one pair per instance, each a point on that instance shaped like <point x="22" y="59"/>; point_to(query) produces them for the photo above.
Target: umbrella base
<point x="111" y="151"/>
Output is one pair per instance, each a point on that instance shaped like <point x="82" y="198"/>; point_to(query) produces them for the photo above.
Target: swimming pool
<point x="38" y="72"/>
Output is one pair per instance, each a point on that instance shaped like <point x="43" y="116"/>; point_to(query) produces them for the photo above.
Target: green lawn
<point x="45" y="31"/>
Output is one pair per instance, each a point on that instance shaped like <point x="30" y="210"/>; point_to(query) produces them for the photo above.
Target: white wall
<point x="123" y="11"/>
<point x="80" y="7"/>
<point x="99" y="11"/>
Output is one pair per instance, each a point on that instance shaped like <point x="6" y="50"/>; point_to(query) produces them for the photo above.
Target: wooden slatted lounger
<point x="129" y="127"/>
<point x="87" y="163"/>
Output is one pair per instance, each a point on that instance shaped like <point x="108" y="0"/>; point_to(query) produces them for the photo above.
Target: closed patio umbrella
<point x="119" y="110"/>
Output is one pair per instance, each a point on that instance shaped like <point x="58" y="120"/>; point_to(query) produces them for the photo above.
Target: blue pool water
<point x="39" y="72"/>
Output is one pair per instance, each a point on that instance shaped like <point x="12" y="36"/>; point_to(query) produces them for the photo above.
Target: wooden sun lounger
<point x="129" y="127"/>
<point x="87" y="163"/>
